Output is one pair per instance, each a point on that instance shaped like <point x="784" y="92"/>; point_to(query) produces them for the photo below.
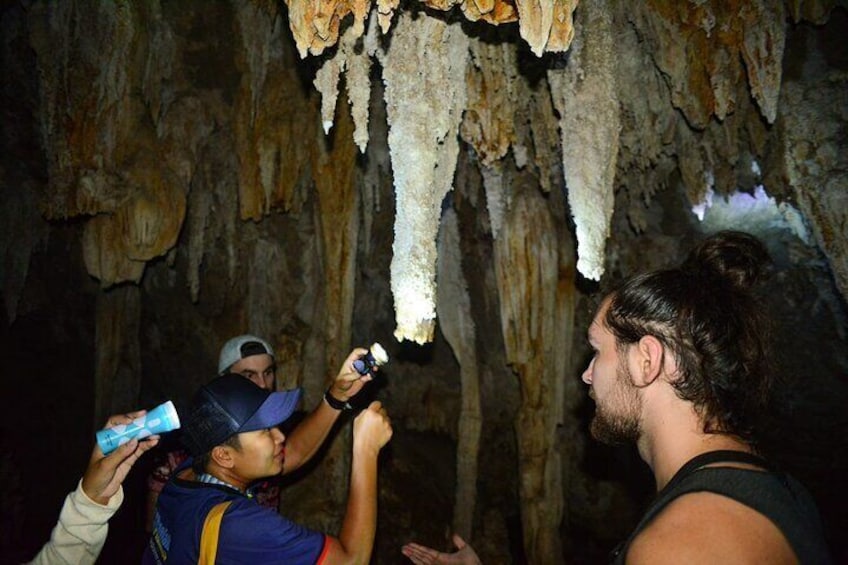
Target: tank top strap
<point x="617" y="555"/>
<point x="710" y="457"/>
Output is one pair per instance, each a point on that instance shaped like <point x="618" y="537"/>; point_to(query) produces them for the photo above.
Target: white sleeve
<point x="80" y="533"/>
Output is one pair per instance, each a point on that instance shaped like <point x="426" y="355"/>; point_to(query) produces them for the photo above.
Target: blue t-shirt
<point x="249" y="533"/>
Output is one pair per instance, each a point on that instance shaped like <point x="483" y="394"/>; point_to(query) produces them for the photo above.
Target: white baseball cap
<point x="240" y="347"/>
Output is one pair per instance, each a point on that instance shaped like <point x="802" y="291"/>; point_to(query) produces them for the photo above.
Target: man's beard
<point x="616" y="422"/>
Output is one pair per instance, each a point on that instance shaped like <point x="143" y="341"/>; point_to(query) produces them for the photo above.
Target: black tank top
<point x="772" y="493"/>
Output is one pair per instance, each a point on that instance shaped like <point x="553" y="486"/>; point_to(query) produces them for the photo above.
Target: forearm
<point x="360" y="521"/>
<point x="80" y="533"/>
<point x="305" y="440"/>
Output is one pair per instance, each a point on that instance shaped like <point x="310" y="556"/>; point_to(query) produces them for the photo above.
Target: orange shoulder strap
<point x="209" y="535"/>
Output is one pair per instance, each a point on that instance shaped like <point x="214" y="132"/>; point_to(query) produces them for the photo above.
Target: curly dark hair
<point x="706" y="314"/>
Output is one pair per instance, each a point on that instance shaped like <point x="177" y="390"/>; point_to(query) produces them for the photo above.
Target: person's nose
<point x="279" y="437"/>
<point x="587" y="374"/>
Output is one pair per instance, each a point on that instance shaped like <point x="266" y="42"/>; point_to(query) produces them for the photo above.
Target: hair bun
<point x="736" y="257"/>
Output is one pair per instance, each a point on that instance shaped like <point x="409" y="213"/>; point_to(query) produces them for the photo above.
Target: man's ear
<point x="650" y="357"/>
<point x="222" y="455"/>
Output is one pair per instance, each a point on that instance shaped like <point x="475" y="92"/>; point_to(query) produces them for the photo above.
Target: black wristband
<point x="335" y="403"/>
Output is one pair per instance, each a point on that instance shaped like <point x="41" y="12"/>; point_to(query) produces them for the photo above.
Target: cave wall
<point x="168" y="182"/>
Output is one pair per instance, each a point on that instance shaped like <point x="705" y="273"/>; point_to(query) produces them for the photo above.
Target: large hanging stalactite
<point x="273" y="161"/>
<point x="427" y="57"/>
<point x="586" y="96"/>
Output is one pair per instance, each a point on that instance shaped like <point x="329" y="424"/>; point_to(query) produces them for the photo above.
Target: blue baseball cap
<point x="231" y="405"/>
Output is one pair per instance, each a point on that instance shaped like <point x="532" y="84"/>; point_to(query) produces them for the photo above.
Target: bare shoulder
<point x="705" y="527"/>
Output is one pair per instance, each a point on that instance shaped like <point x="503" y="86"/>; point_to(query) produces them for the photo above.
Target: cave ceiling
<point x="610" y="101"/>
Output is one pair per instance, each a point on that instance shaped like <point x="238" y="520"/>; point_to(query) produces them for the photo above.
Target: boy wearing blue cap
<point x="232" y="435"/>
<point x="253" y="358"/>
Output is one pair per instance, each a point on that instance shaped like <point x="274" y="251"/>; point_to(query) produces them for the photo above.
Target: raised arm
<point x="307" y="437"/>
<point x="80" y="533"/>
<point x="371" y="431"/>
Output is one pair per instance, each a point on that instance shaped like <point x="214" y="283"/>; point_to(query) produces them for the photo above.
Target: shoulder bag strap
<point x="209" y="535"/>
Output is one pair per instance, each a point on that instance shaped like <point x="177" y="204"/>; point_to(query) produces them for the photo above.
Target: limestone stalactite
<point x="702" y="73"/>
<point x="586" y="97"/>
<point x="457" y="325"/>
<point x="273" y="163"/>
<point x="763" y="40"/>
<point x="427" y="57"/>
<point x="700" y="49"/>
<point x="356" y="64"/>
<point x="545" y="25"/>
<point x="492" y="81"/>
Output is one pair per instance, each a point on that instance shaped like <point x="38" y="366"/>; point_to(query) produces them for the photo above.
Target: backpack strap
<point x="209" y="535"/>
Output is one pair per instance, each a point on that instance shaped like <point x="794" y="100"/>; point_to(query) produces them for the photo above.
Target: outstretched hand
<point x="421" y="555"/>
<point x="105" y="473"/>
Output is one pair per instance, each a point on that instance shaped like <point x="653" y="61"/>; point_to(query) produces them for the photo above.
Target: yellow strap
<point x="209" y="536"/>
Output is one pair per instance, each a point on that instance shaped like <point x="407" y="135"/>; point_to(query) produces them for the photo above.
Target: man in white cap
<point x="253" y="358"/>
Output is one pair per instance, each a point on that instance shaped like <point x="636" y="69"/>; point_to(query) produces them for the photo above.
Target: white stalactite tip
<point x="420" y="332"/>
